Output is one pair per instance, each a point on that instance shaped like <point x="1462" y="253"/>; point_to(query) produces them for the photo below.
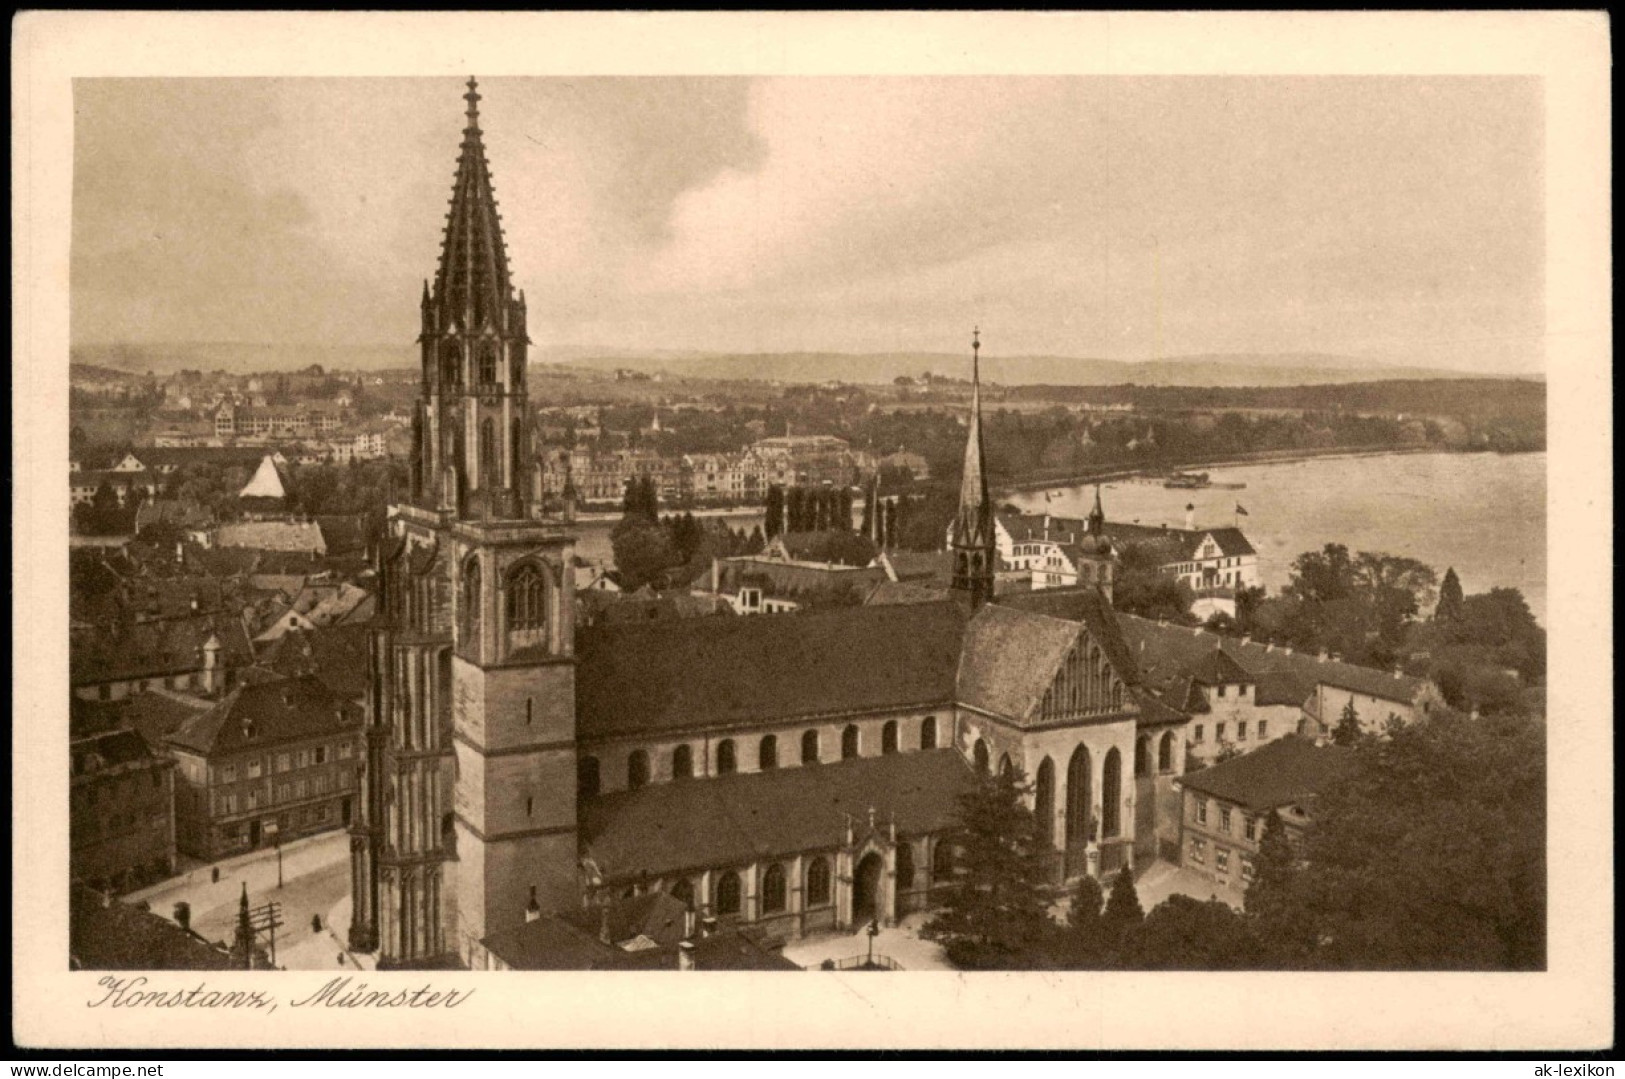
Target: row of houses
<point x="703" y="478"/>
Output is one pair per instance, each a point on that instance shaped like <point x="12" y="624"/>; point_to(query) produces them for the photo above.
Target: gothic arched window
<point x="818" y="882"/>
<point x="773" y="890"/>
<point x="488" y="364"/>
<point x="728" y="892"/>
<point x="682" y="763"/>
<point x="1165" y="752"/>
<point x="527" y="597"/>
<point x="809" y="747"/>
<point x="979" y="753"/>
<point x="727" y="762"/>
<point x="471" y="600"/>
<point x="450" y="363"/>
<point x="849" y="742"/>
<point x="888" y="737"/>
<point x="488" y="453"/>
<point x="767" y="757"/>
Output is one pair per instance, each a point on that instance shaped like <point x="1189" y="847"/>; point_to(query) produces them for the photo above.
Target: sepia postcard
<point x="852" y="531"/>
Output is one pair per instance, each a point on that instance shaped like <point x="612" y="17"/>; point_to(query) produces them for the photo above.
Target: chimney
<point x="685" y="955"/>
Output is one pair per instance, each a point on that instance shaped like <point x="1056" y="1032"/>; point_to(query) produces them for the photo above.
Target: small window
<point x="818" y="882"/>
<point x="849" y="742"/>
<point x="768" y="754"/>
<point x="942" y="861"/>
<point x="773" y="890"/>
<point x="321" y="754"/>
<point x="1196" y="734"/>
<point x="1241" y="691"/>
<point x="1198" y="850"/>
<point x="1263" y="728"/>
<point x="928" y="732"/>
<point x="1224" y="819"/>
<point x="1249" y="825"/>
<point x="728" y="893"/>
<point x="888" y="737"/>
<point x="1241" y="730"/>
<point x="682" y="763"/>
<point x="809" y="747"/>
<point x="1201" y="811"/>
<point x="1218" y="731"/>
<point x="727" y="762"/>
<point x="637" y="769"/>
<point x="1221" y="691"/>
<point x="1221" y="859"/>
<point x="1246" y="868"/>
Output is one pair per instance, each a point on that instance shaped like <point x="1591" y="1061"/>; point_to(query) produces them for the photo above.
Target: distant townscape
<point x="495" y="664"/>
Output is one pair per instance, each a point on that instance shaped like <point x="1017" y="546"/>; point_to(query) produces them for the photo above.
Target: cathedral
<point x="791" y="773"/>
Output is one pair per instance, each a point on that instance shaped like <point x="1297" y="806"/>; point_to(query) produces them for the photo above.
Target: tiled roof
<point x="1167" y="652"/>
<point x="109" y="749"/>
<point x="824" y="546"/>
<point x="732" y="820"/>
<point x="1286" y="771"/>
<point x="720" y="672"/>
<point x="1009" y="659"/>
<point x="181" y="456"/>
<point x="154" y="649"/>
<point x="172" y="511"/>
<point x="1218" y="669"/>
<point x="343" y="534"/>
<point x="573" y="941"/>
<point x="1155" y="713"/>
<point x="335" y="654"/>
<point x="272" y="536"/>
<point x="792" y="580"/>
<point x="122" y="937"/>
<point x="1083" y="604"/>
<point x="156" y="714"/>
<point x="266" y="714"/>
<point x="892" y="593"/>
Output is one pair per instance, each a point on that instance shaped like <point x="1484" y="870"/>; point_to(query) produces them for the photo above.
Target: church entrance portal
<point x="866" y="890"/>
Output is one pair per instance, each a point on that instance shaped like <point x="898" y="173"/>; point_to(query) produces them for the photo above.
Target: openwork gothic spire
<point x="472" y="284"/>
<point x="973" y="539"/>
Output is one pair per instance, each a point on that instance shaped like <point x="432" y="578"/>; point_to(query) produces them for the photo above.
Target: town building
<point x="199" y="652"/>
<point x="1225" y="808"/>
<point x="121" y="811"/>
<point x="271" y="762"/>
<point x="1215" y="562"/>
<point x="1241" y="694"/>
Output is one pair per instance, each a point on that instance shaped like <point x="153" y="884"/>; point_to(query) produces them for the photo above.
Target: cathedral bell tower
<point x="973" y="541"/>
<point x="468" y="814"/>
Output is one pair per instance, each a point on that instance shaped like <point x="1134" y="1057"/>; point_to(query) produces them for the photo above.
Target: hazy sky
<point x="1400" y="218"/>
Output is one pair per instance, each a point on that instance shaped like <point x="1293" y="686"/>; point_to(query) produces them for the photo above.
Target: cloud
<point x="1400" y="218"/>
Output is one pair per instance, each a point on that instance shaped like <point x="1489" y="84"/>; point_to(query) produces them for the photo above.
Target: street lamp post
<point x="276" y="841"/>
<point x="874" y="931"/>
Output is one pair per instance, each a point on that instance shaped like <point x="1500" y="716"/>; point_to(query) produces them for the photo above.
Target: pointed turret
<point x="472" y="283"/>
<point x="973" y="540"/>
<point x="1097" y="516"/>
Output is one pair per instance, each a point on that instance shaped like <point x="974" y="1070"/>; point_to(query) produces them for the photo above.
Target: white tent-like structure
<point x="267" y="482"/>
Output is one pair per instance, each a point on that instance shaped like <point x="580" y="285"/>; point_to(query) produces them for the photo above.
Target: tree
<point x="1084" y="939"/>
<point x="643" y="551"/>
<point x="996" y="917"/>
<point x="1450" y="598"/>
<point x="1283" y="929"/>
<point x="1123" y="907"/>
<point x="1141" y="588"/>
<point x="1429" y="853"/>
<point x="1182" y="933"/>
<point x="775" y="510"/>
<point x="1347" y="731"/>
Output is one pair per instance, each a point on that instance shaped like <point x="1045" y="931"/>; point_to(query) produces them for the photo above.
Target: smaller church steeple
<point x="973" y="539"/>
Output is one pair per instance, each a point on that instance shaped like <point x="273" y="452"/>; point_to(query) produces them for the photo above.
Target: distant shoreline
<point x="1260" y="457"/>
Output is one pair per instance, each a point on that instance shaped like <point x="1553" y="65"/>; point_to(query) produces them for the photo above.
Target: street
<point x="315" y="881"/>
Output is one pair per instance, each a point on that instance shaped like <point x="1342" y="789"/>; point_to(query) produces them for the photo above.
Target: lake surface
<point x="1483" y="513"/>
